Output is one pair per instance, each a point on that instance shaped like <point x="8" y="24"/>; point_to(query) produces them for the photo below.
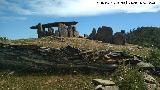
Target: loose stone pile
<point x="71" y="57"/>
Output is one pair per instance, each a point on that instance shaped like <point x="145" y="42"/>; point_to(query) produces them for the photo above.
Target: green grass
<point x="47" y="82"/>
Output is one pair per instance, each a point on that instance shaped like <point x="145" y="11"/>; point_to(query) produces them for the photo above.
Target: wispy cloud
<point x="4" y="19"/>
<point x="75" y="7"/>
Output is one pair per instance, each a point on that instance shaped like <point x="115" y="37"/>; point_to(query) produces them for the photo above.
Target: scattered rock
<point x="100" y="87"/>
<point x="150" y="82"/>
<point x="145" y="65"/>
<point x="104" y="84"/>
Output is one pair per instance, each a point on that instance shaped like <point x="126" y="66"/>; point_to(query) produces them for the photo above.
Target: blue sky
<point x="16" y="16"/>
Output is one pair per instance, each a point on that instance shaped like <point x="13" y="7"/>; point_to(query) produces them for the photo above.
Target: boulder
<point x="150" y="82"/>
<point x="104" y="34"/>
<point x="86" y="36"/>
<point x="93" y="34"/>
<point x="145" y="65"/>
<point x="100" y="87"/>
<point x="119" y="38"/>
<point x="57" y="33"/>
<point x="62" y="30"/>
<point x="104" y="84"/>
<point x="70" y="33"/>
<point x="75" y="33"/>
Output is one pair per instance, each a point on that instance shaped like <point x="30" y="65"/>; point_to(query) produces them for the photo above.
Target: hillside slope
<point x="83" y="44"/>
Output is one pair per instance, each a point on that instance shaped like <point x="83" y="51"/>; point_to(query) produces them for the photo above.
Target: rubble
<point x="103" y="60"/>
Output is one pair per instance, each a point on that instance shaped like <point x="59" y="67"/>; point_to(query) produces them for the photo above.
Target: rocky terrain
<point x="28" y="57"/>
<point x="66" y="56"/>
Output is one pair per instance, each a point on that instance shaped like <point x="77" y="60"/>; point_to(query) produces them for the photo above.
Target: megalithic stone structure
<point x="40" y="30"/>
<point x="65" y="29"/>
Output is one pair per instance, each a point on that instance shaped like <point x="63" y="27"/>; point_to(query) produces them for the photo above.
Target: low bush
<point x="129" y="78"/>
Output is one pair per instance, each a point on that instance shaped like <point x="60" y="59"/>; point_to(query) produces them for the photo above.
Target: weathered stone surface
<point x="50" y="31"/>
<point x="145" y="65"/>
<point x="57" y="33"/>
<point x="100" y="87"/>
<point x="75" y="33"/>
<point x="70" y="33"/>
<point x="104" y="34"/>
<point x="93" y="34"/>
<point x="119" y="38"/>
<point x="157" y="71"/>
<point x="86" y="36"/>
<point x="150" y="82"/>
<point x="88" y="59"/>
<point x="103" y="82"/>
<point x="62" y="30"/>
<point x="40" y="30"/>
<point x="65" y="29"/>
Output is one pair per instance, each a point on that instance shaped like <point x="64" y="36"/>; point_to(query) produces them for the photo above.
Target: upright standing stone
<point x="50" y="31"/>
<point x="105" y="34"/>
<point x="40" y="30"/>
<point x="86" y="36"/>
<point x="62" y="30"/>
<point x="57" y="33"/>
<point x="119" y="38"/>
<point x="75" y="33"/>
<point x="93" y="34"/>
<point x="70" y="31"/>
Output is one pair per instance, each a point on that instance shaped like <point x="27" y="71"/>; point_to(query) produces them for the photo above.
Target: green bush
<point x="3" y="39"/>
<point x="129" y="78"/>
<point x="144" y="36"/>
<point x="154" y="57"/>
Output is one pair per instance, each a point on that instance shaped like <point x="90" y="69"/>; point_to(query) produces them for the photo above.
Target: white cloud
<point x="78" y="7"/>
<point x="4" y="19"/>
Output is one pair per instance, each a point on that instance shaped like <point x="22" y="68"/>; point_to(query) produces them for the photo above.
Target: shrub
<point x="129" y="78"/>
<point x="3" y="39"/>
<point x="154" y="57"/>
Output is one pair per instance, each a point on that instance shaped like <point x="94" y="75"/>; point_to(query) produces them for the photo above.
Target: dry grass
<point x="63" y="82"/>
<point x="84" y="44"/>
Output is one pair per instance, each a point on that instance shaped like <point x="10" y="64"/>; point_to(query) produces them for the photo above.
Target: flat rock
<point x="150" y="82"/>
<point x="145" y="65"/>
<point x="103" y="82"/>
<point x="149" y="79"/>
<point x="100" y="87"/>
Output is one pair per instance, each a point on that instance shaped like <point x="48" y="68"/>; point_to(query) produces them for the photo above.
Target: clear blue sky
<point x="16" y="18"/>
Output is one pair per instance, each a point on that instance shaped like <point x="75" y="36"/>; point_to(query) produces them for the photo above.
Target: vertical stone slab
<point x="75" y="32"/>
<point x="105" y="34"/>
<point x="57" y="33"/>
<point x="119" y="38"/>
<point x="62" y="30"/>
<point x="40" y="30"/>
<point x="50" y="31"/>
<point x="93" y="34"/>
<point x="70" y="31"/>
